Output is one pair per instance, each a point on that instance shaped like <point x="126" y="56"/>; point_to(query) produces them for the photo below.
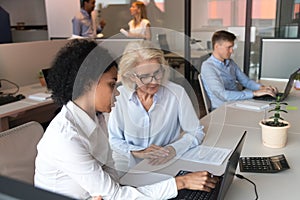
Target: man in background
<point x="222" y="77"/>
<point x="84" y="24"/>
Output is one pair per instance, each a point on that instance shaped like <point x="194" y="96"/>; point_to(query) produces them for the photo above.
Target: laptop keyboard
<point x="195" y="194"/>
<point x="267" y="97"/>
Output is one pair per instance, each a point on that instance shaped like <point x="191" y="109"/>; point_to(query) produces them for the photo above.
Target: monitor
<point x="279" y="58"/>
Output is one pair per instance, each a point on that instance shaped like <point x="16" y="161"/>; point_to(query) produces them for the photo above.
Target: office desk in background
<point x="196" y="57"/>
<point x="16" y="113"/>
<point x="176" y="60"/>
<point x="223" y="127"/>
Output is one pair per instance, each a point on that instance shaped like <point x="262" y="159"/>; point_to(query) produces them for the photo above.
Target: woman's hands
<point x="202" y="180"/>
<point x="156" y="154"/>
<point x="97" y="198"/>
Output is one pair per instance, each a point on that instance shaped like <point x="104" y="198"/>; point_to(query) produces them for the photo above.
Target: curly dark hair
<point x="76" y="67"/>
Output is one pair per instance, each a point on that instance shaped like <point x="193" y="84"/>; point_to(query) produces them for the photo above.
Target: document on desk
<point x="41" y="96"/>
<point x="206" y="155"/>
<point x="251" y="105"/>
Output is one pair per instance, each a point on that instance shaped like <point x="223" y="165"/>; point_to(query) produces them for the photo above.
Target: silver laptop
<point x="219" y="192"/>
<point x="45" y="72"/>
<point x="283" y="95"/>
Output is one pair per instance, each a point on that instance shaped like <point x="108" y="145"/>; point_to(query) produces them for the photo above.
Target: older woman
<point x="74" y="157"/>
<point x="151" y="111"/>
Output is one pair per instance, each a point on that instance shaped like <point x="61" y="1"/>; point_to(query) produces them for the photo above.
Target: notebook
<point x="223" y="185"/>
<point x="283" y="95"/>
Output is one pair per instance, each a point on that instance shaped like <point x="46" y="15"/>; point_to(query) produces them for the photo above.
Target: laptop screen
<point x="163" y="43"/>
<point x="289" y="85"/>
<point x="226" y="179"/>
<point x="231" y="168"/>
<point x="45" y="74"/>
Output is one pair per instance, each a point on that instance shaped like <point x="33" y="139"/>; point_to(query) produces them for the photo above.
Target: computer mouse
<point x="20" y="96"/>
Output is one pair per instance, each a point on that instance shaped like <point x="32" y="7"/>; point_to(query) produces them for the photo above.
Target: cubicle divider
<point x="20" y="62"/>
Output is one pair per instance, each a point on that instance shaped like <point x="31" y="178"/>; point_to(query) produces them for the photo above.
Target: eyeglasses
<point x="146" y="79"/>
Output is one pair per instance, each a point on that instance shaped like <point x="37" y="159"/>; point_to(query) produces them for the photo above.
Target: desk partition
<point x="21" y="62"/>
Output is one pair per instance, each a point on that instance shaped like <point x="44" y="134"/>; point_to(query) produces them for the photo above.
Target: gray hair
<point x="135" y="53"/>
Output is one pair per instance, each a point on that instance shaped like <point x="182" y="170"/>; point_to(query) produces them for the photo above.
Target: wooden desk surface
<point x="26" y="109"/>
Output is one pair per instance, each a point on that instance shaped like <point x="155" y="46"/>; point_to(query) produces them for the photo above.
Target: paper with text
<point x="206" y="155"/>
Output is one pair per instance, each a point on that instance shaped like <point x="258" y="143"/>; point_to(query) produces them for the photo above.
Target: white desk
<point x="25" y="110"/>
<point x="224" y="127"/>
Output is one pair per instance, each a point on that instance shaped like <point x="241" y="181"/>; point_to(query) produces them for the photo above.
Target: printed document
<point x="206" y="155"/>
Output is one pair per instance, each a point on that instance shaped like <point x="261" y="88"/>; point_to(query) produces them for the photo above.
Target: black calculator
<point x="270" y="164"/>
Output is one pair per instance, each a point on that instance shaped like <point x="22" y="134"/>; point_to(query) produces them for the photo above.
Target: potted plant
<point x="41" y="78"/>
<point x="297" y="81"/>
<point x="274" y="129"/>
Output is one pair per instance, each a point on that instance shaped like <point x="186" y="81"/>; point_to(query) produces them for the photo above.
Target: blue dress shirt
<point x="83" y="25"/>
<point x="132" y="128"/>
<point x="220" y="80"/>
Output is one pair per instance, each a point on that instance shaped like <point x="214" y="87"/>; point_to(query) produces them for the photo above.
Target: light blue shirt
<point x="132" y="128"/>
<point x="83" y="25"/>
<point x="221" y="80"/>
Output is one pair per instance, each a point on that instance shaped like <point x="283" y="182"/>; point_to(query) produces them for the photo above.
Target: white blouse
<point x="74" y="159"/>
<point x="140" y="28"/>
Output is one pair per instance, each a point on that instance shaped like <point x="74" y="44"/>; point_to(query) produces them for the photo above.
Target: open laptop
<point x="283" y="95"/>
<point x="219" y="192"/>
<point x="163" y="43"/>
<point x="45" y="72"/>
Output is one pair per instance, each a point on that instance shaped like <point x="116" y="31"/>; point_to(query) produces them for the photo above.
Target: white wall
<point x="59" y="16"/>
<point x="32" y="12"/>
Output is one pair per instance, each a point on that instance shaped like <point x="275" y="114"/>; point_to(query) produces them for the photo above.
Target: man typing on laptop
<point x="221" y="76"/>
<point x="283" y="94"/>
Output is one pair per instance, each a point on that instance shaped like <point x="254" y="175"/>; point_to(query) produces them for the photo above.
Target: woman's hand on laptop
<point x="201" y="180"/>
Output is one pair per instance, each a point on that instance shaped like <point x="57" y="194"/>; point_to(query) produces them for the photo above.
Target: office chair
<point x="18" y="151"/>
<point x="207" y="103"/>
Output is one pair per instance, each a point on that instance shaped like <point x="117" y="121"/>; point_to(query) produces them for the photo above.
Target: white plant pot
<point x="274" y="137"/>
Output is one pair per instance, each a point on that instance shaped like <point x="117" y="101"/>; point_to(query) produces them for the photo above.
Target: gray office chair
<point x="18" y="151"/>
<point x="207" y="103"/>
